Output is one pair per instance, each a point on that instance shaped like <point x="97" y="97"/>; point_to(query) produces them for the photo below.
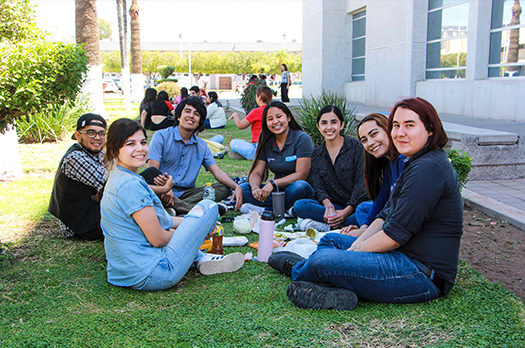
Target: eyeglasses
<point x="91" y="134"/>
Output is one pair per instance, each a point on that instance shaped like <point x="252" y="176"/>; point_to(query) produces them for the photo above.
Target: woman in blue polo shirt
<point x="284" y="149"/>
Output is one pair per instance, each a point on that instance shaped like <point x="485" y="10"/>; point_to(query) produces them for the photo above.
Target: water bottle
<point x="266" y="236"/>
<point x="209" y="192"/>
<point x="330" y="213"/>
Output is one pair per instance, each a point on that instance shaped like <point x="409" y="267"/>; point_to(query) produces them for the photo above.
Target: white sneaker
<point x="214" y="264"/>
<point x="290" y="214"/>
<point x="247" y="208"/>
<point x="316" y="225"/>
<point x="223" y="208"/>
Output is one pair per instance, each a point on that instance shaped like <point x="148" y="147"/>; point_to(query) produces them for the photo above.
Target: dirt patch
<point x="494" y="248"/>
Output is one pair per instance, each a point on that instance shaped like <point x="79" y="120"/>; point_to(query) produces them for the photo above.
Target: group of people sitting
<point x="157" y="110"/>
<point x="393" y="192"/>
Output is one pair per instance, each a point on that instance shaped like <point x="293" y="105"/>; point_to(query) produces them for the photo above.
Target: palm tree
<point x="86" y="23"/>
<point x="137" y="79"/>
<point x="514" y="44"/>
<point x="123" y="34"/>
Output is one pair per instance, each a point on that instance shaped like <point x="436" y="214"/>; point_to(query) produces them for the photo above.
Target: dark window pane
<point x="358" y="66"/>
<point x="434" y="55"/>
<point x="503" y="14"/>
<point x="432" y="4"/>
<point x="434" y="25"/>
<point x="358" y="47"/>
<point x="359" y="27"/>
<point x="359" y="14"/>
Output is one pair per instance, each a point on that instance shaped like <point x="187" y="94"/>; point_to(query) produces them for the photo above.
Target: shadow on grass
<point x="54" y="292"/>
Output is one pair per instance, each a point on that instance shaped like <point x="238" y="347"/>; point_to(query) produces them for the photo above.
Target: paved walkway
<point x="504" y="199"/>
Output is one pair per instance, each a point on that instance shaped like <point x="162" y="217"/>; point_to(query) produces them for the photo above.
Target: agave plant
<point x="52" y="122"/>
<point x="306" y="114"/>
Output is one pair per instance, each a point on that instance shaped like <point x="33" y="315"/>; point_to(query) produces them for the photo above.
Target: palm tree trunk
<point x="137" y="79"/>
<point x="123" y="40"/>
<point x="86" y="23"/>
<point x="514" y="44"/>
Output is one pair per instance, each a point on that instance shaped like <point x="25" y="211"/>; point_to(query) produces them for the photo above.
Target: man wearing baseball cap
<point x="79" y="176"/>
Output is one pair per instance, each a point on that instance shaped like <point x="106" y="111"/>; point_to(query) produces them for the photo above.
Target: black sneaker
<point x="223" y="209"/>
<point x="283" y="261"/>
<point x="317" y="296"/>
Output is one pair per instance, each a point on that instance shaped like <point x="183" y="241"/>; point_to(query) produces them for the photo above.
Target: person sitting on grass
<point x="146" y="248"/>
<point x="286" y="150"/>
<point x="215" y="117"/>
<point x="78" y="178"/>
<point x="383" y="165"/>
<point x="410" y="253"/>
<point x="161" y="111"/>
<point x="337" y="175"/>
<point x="179" y="152"/>
<point x="240" y="148"/>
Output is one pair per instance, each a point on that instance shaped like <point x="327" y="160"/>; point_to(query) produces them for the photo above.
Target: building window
<point x="507" y="40"/>
<point x="358" y="45"/>
<point x="447" y="39"/>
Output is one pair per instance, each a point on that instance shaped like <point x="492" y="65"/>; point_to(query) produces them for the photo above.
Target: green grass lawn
<point x="53" y="291"/>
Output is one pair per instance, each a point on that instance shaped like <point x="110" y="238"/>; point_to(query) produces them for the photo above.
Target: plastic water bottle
<point x="266" y="236"/>
<point x="330" y="212"/>
<point x="209" y="192"/>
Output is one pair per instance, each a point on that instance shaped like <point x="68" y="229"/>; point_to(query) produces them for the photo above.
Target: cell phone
<point x="226" y="219"/>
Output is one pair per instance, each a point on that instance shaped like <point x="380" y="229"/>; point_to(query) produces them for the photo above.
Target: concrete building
<point x="465" y="57"/>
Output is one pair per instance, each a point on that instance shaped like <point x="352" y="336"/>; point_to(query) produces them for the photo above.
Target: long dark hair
<point x="375" y="167"/>
<point x="159" y="106"/>
<point x="184" y="93"/>
<point x="214" y="98"/>
<point x="149" y="96"/>
<point x="266" y="135"/>
<point x="118" y="133"/>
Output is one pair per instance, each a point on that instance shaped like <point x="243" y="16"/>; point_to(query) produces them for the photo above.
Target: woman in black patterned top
<point x="337" y="174"/>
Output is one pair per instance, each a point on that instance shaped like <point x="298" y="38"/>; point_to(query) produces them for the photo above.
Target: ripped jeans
<point x="183" y="248"/>
<point x="389" y="277"/>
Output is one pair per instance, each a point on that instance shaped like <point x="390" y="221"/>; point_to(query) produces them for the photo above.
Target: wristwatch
<point x="273" y="184"/>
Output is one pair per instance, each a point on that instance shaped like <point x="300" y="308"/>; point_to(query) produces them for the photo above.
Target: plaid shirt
<point x="86" y="168"/>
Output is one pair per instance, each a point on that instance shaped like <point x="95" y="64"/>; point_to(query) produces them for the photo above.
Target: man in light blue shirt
<point x="180" y="153"/>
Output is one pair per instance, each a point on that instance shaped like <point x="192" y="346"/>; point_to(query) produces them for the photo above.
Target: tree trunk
<point x="123" y="40"/>
<point x="137" y="79"/>
<point x="10" y="167"/>
<point x="86" y="23"/>
<point x="514" y="44"/>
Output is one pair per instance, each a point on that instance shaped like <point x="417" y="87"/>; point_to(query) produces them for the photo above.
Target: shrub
<point x="171" y="88"/>
<point x="52" y="122"/>
<point x="306" y="114"/>
<point x="166" y="70"/>
<point x="461" y="161"/>
<point x="166" y="80"/>
<point x="248" y="102"/>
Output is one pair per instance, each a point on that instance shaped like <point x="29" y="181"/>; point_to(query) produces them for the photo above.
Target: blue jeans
<point x="312" y="209"/>
<point x="183" y="248"/>
<point x="207" y="125"/>
<point x="217" y="138"/>
<point x="389" y="277"/>
<point x="361" y="212"/>
<point x="243" y="148"/>
<point x="293" y="192"/>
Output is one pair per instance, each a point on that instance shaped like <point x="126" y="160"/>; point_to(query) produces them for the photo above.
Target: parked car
<point x="110" y="86"/>
<point x="297" y="83"/>
<point x="119" y="83"/>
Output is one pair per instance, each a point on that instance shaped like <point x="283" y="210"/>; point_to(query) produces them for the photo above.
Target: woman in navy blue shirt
<point x="383" y="165"/>
<point x="284" y="149"/>
<point x="410" y="253"/>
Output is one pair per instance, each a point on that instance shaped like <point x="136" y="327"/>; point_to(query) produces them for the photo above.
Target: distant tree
<point x="123" y="43"/>
<point x="111" y="61"/>
<point x="86" y="24"/>
<point x="137" y="79"/>
<point x="105" y="29"/>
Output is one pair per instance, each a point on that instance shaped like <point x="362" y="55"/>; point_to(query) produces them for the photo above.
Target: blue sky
<point x="196" y="20"/>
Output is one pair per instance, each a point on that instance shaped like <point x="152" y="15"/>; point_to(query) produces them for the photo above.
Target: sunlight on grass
<point x="54" y="290"/>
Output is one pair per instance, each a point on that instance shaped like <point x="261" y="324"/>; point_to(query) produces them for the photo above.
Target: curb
<point x="494" y="208"/>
